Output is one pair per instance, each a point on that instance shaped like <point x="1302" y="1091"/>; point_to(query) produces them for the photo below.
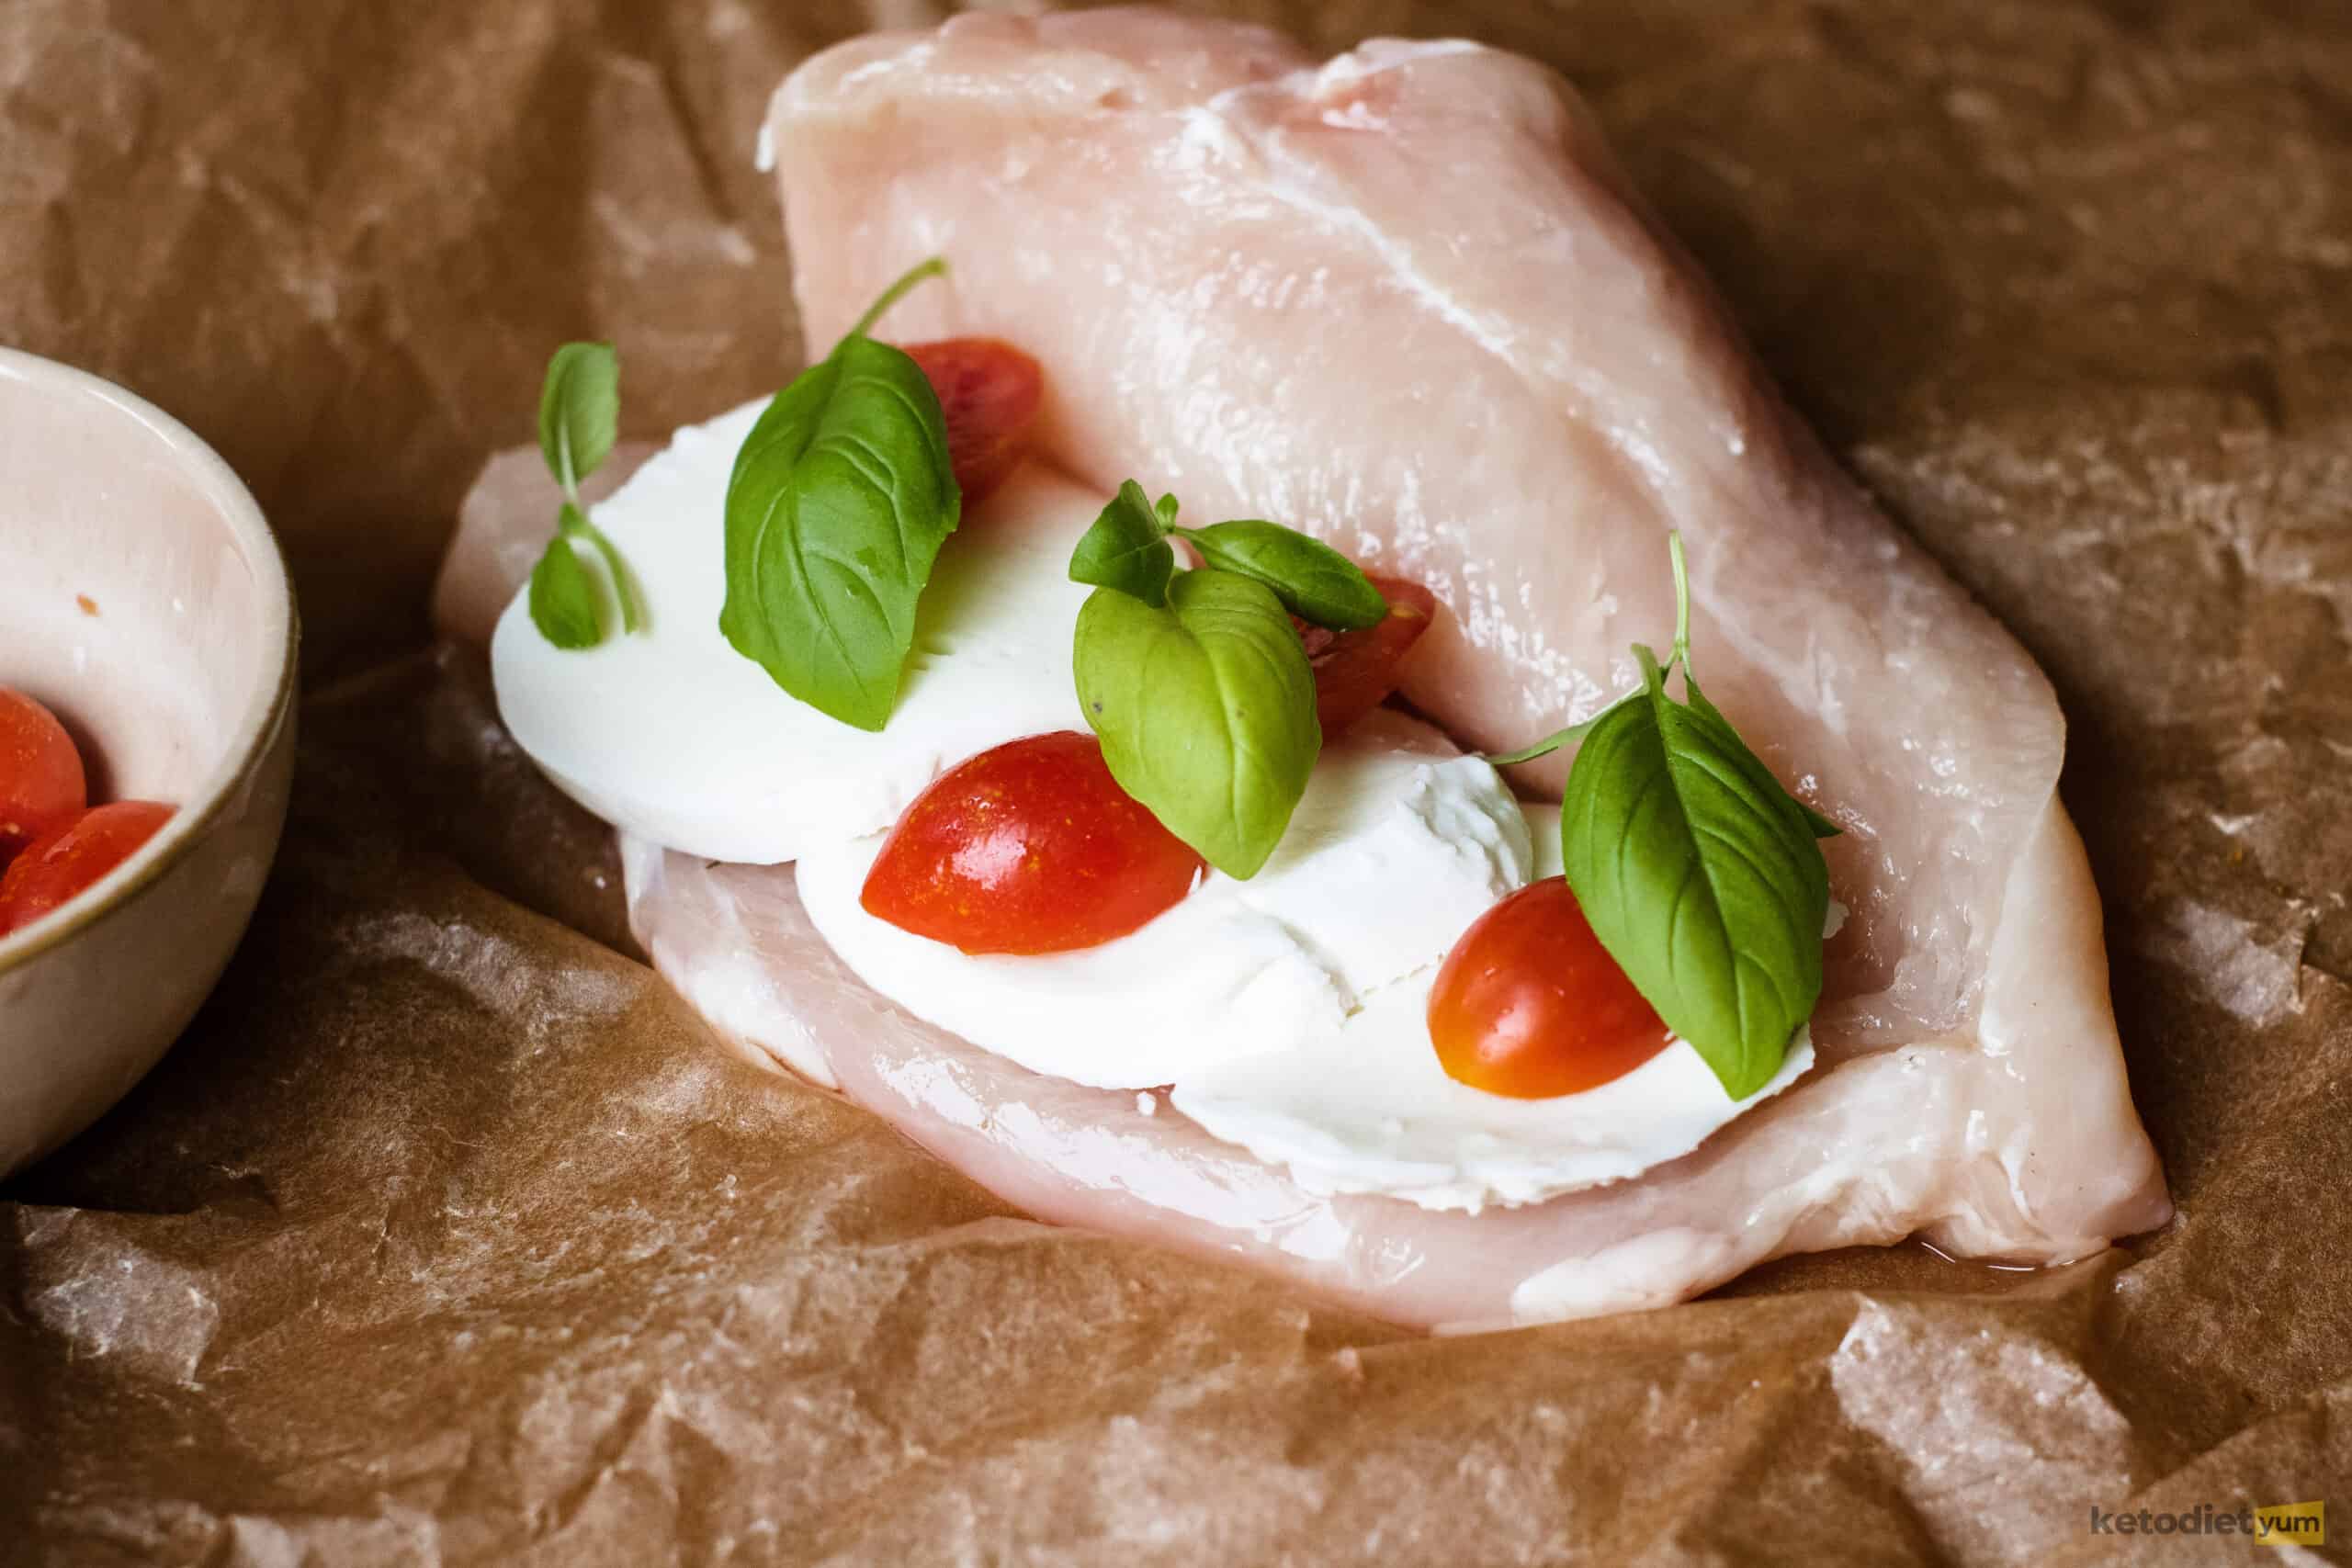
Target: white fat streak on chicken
<point x="1282" y="292"/>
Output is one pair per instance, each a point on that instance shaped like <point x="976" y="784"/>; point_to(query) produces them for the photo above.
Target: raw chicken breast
<point x="1406" y="301"/>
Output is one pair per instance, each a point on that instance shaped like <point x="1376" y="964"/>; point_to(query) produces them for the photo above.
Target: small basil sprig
<point x="1197" y="682"/>
<point x="1127" y="549"/>
<point x="580" y="409"/>
<point x="1697" y="871"/>
<point x="841" y="498"/>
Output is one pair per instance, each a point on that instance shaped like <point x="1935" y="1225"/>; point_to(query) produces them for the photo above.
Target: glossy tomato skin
<point x="1529" y="1004"/>
<point x="71" y="857"/>
<point x="1355" y="672"/>
<point x="989" y="391"/>
<point x="42" y="784"/>
<point x="1029" y="847"/>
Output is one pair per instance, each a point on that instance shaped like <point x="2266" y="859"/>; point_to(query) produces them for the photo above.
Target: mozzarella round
<point x="673" y="735"/>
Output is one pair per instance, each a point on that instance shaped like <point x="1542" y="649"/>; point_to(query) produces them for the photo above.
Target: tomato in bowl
<point x="143" y="603"/>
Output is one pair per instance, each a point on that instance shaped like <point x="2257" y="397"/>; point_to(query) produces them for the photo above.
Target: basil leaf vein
<point x="1206" y="707"/>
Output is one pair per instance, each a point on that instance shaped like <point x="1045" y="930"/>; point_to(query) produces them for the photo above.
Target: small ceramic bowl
<point x="143" y="601"/>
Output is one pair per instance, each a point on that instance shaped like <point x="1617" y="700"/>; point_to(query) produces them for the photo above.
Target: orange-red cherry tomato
<point x="1355" y="672"/>
<point x="989" y="391"/>
<point x="70" y="857"/>
<point x="1529" y="1004"/>
<point x="1029" y="847"/>
<point x="40" y="774"/>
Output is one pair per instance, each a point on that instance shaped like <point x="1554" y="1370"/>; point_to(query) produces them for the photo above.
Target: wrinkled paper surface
<point x="449" y="1235"/>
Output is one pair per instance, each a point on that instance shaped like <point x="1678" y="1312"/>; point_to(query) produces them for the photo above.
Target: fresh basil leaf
<point x="1207" y="710"/>
<point x="1314" y="582"/>
<point x="840" y="500"/>
<point x="580" y="411"/>
<point x="1767" y="786"/>
<point x="563" y="597"/>
<point x="1127" y="547"/>
<point x="1701" y="877"/>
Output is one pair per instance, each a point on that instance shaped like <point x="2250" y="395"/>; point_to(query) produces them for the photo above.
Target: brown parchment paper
<point x="447" y="1236"/>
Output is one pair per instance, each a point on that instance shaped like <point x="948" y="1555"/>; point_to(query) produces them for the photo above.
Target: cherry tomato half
<point x="69" y="858"/>
<point x="1355" y="672"/>
<point x="989" y="391"/>
<point x="40" y="774"/>
<point x="1028" y="846"/>
<point x="1529" y="1004"/>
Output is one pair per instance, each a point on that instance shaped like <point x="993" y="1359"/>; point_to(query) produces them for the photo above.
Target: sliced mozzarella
<point x="1395" y="849"/>
<point x="675" y="737"/>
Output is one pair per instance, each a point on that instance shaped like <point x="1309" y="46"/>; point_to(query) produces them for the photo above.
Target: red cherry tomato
<point x="989" y="391"/>
<point x="70" y="857"/>
<point x="40" y="774"/>
<point x="1029" y="847"/>
<point x="1355" y="672"/>
<point x="1529" y="1004"/>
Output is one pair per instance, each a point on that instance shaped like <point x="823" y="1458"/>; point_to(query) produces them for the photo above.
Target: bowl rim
<point x="266" y="710"/>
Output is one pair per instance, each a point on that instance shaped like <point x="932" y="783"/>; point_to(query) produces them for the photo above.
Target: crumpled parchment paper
<point x="449" y="1235"/>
